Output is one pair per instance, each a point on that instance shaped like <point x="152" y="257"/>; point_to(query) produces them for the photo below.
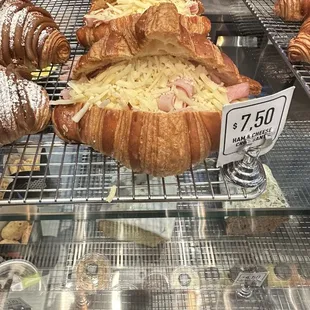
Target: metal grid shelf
<point x="280" y="33"/>
<point x="41" y="169"/>
<point x="200" y="246"/>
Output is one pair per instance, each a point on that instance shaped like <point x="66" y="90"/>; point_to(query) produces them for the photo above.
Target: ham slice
<point x="215" y="79"/>
<point x="166" y="102"/>
<point x="185" y="85"/>
<point x="194" y="8"/>
<point x="65" y="94"/>
<point x="92" y="21"/>
<point x="238" y="91"/>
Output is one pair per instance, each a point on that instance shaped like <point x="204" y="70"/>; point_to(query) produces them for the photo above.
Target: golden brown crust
<point x="158" y="31"/>
<point x="87" y="36"/>
<point x="160" y="144"/>
<point x="33" y="39"/>
<point x="255" y="87"/>
<point x="290" y="10"/>
<point x="24" y="106"/>
<point x="102" y="4"/>
<point x="299" y="47"/>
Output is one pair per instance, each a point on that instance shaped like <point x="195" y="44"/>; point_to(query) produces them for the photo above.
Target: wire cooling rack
<point x="280" y="33"/>
<point x="40" y="169"/>
<point x="43" y="169"/>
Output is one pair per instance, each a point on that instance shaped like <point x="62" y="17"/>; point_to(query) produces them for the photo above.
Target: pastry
<point x="299" y="47"/>
<point x="7" y="241"/>
<point x="14" y="230"/>
<point x="29" y="36"/>
<point x="292" y="10"/>
<point x="119" y="230"/>
<point x="114" y="14"/>
<point x="24" y="106"/>
<point x="93" y="273"/>
<point x="157" y="98"/>
<point x="26" y="234"/>
<point x="256" y="225"/>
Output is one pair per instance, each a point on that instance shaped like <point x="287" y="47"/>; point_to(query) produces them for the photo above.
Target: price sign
<point x="251" y="278"/>
<point x="252" y="119"/>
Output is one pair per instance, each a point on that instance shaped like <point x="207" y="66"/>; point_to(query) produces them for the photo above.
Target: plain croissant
<point x="29" y="36"/>
<point x="299" y="47"/>
<point x="95" y="27"/>
<point x="24" y="106"/>
<point x="292" y="10"/>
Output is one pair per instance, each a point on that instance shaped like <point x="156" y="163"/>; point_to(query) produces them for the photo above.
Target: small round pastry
<point x="283" y="271"/>
<point x="185" y="278"/>
<point x="93" y="273"/>
<point x="304" y="271"/>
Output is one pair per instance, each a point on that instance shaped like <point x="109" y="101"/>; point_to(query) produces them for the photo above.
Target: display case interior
<point x="195" y="269"/>
<point x="103" y="237"/>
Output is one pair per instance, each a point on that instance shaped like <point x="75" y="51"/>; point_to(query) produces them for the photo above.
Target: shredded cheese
<point x="112" y="194"/>
<point x="124" y="8"/>
<point x="138" y="84"/>
<point x="78" y="116"/>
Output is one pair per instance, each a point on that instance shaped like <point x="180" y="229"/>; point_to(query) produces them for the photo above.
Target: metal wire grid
<point x="75" y="173"/>
<point x="289" y="163"/>
<point x="61" y="173"/>
<point x="280" y="33"/>
<point x="201" y="246"/>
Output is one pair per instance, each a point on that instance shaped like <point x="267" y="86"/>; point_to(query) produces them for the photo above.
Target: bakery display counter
<point x="78" y="230"/>
<point x="194" y="269"/>
<point x="280" y="32"/>
<point x="42" y="170"/>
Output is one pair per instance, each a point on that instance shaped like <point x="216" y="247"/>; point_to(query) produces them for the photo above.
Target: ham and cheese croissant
<point x="103" y="13"/>
<point x="153" y="102"/>
<point x="299" y="47"/>
<point x="29" y="36"/>
<point x="24" y="106"/>
<point x="292" y="10"/>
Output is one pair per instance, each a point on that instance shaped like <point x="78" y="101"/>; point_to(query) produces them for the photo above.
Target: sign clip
<point x="248" y="172"/>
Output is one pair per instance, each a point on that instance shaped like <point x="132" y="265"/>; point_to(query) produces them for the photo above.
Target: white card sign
<point x="252" y="119"/>
<point x="254" y="278"/>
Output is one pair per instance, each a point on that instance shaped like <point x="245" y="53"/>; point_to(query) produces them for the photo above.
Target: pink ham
<point x="185" y="85"/>
<point x="90" y="20"/>
<point x="238" y="91"/>
<point x="166" y="102"/>
<point x="65" y="94"/>
<point x="194" y="8"/>
<point x="215" y="79"/>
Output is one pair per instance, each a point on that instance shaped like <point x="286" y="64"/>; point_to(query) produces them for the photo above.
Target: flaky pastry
<point x="151" y="97"/>
<point x="114" y="14"/>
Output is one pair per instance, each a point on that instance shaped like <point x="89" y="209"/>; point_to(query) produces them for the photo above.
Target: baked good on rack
<point x="29" y="36"/>
<point x="299" y="47"/>
<point x="153" y="102"/>
<point x="292" y="10"/>
<point x="257" y="225"/>
<point x="114" y="14"/>
<point x="24" y="106"/>
<point x="93" y="273"/>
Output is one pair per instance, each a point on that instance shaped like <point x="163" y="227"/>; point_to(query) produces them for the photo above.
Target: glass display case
<point x="99" y="236"/>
